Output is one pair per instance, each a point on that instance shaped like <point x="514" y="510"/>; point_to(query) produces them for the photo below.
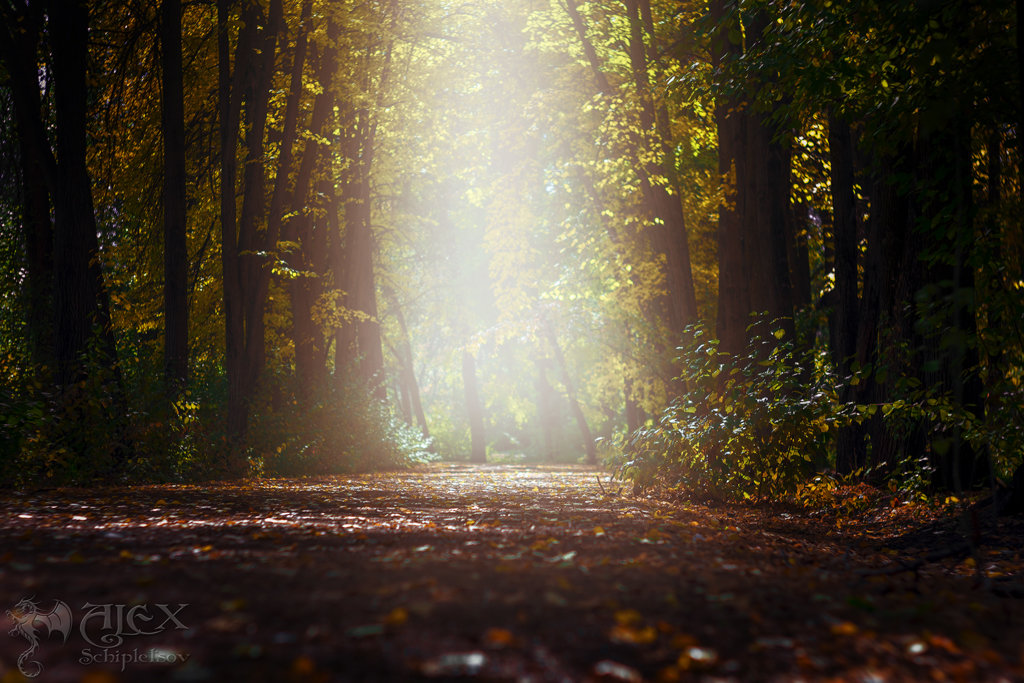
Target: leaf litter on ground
<point x="509" y="573"/>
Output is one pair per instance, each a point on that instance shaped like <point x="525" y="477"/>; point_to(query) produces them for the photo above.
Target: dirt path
<point x="497" y="573"/>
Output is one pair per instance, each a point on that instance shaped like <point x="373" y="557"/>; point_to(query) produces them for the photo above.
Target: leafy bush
<point x="761" y="424"/>
<point x="749" y="426"/>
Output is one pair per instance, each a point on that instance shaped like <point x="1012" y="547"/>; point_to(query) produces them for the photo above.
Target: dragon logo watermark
<point x="104" y="627"/>
<point x="28" y="620"/>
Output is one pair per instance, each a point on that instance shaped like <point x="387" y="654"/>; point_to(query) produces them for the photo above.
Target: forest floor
<point x="496" y="573"/>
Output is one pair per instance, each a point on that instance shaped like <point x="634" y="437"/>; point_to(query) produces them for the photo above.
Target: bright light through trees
<point x="525" y="236"/>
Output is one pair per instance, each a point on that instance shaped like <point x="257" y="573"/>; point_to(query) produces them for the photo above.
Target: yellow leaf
<point x="845" y="628"/>
<point x="633" y="635"/>
<point x="498" y="637"/>
<point x="303" y="666"/>
<point x="397" y="617"/>
<point x="627" y="616"/>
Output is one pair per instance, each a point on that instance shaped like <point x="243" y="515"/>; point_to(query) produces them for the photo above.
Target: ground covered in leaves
<point x="496" y="573"/>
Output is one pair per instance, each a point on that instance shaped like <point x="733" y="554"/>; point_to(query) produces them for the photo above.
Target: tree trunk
<point x="1019" y="123"/>
<point x="19" y="44"/>
<point x="947" y="315"/>
<point x="313" y="235"/>
<point x="360" y="283"/>
<point x="664" y="203"/>
<point x="228" y="106"/>
<point x="733" y="295"/>
<point x="252" y="235"/>
<point x="634" y="417"/>
<point x="407" y="370"/>
<point x="885" y="334"/>
<point x="474" y="409"/>
<point x="798" y="252"/>
<point x="80" y="297"/>
<point x="589" y="448"/>
<point x="245" y="281"/>
<point x="546" y="410"/>
<point x="175" y="226"/>
<point x="850" y="454"/>
<point x="362" y="290"/>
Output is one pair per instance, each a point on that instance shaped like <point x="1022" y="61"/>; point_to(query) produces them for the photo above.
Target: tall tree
<point x="82" y="305"/>
<point x="653" y="159"/>
<point x="247" y="80"/>
<point x="754" y="156"/>
<point x="850" y="453"/>
<point x="19" y="50"/>
<point x="175" y="198"/>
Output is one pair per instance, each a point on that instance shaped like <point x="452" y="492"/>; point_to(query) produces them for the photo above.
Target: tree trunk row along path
<point x="493" y="573"/>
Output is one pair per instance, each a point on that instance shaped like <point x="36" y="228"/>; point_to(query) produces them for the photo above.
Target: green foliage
<point x="339" y="429"/>
<point x="74" y="436"/>
<point x="750" y="426"/>
<point x="759" y="425"/>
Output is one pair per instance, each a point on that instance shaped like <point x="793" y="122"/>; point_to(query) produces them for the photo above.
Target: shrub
<point x="747" y="426"/>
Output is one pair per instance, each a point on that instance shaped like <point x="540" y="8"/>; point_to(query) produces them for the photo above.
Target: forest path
<point x="496" y="573"/>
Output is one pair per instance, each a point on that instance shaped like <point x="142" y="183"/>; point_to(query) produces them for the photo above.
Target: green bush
<point x="749" y="426"/>
<point x="760" y="424"/>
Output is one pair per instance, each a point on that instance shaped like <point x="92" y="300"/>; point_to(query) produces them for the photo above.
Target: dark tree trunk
<point x="360" y="340"/>
<point x="474" y="409"/>
<point x="245" y="280"/>
<point x="19" y="45"/>
<point x="175" y="226"/>
<point x="81" y="300"/>
<point x="308" y="339"/>
<point x="38" y="251"/>
<point x="850" y="453"/>
<point x="345" y="345"/>
<point x="1019" y="6"/>
<point x="362" y="289"/>
<point x="733" y="295"/>
<point x="753" y="230"/>
<point x="885" y="332"/>
<point x="775" y="208"/>
<point x="992" y="288"/>
<point x="228" y="107"/>
<point x="798" y="252"/>
<point x="950" y="359"/>
<point x="252" y="240"/>
<point x="763" y="177"/>
<point x="301" y="305"/>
